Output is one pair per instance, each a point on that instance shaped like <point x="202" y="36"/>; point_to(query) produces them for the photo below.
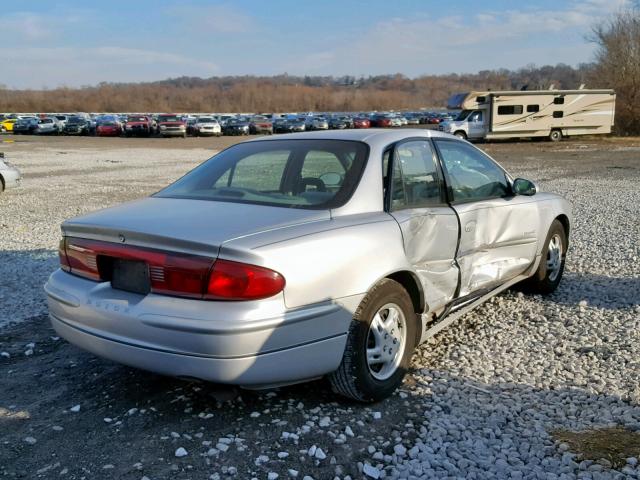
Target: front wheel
<point x="549" y="272"/>
<point x="461" y="135"/>
<point x="381" y="340"/>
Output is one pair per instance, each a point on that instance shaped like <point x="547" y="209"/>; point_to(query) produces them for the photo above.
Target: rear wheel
<point x="555" y="135"/>
<point x="381" y="340"/>
<point x="549" y="272"/>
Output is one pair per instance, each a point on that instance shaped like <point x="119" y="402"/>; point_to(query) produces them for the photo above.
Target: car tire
<point x="461" y="135"/>
<point x="358" y="378"/>
<point x="555" y="135"/>
<point x="549" y="273"/>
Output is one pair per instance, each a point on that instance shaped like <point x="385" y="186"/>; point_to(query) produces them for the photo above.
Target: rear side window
<point x="533" y="108"/>
<point x="414" y="179"/>
<point x="471" y="175"/>
<point x="510" y="110"/>
<point x="558" y="100"/>
<point x="558" y="114"/>
<point x="315" y="174"/>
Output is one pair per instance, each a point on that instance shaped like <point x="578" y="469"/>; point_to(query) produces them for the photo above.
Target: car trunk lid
<point x="197" y="227"/>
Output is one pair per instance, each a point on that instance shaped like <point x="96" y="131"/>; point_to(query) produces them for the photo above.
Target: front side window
<point x="414" y="179"/>
<point x="475" y="117"/>
<point x="533" y="108"/>
<point x="470" y="173"/>
<point x="289" y="173"/>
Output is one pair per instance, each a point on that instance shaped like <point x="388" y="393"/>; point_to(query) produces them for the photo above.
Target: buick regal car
<point x="290" y="258"/>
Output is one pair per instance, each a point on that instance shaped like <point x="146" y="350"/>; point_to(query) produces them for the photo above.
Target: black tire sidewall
<point x="542" y="274"/>
<point x="387" y="292"/>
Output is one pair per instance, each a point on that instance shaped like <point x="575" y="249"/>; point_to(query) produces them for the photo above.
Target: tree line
<point x="284" y="93"/>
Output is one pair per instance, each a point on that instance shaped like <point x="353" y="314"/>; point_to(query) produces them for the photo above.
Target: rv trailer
<point x="553" y="114"/>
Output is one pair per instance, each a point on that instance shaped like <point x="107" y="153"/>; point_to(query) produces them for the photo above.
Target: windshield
<point x="75" y="120"/>
<point x="169" y="118"/>
<point x="136" y="119"/>
<point x="206" y="120"/>
<point x="314" y="174"/>
<point x="463" y="115"/>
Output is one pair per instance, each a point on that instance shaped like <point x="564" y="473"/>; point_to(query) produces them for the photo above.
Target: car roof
<point x="370" y="135"/>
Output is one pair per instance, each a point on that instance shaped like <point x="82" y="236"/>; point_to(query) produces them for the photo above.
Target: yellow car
<point x="6" y="125"/>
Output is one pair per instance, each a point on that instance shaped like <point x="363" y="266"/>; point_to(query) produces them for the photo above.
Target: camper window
<point x="558" y="100"/>
<point x="481" y="99"/>
<point x="510" y="110"/>
<point x="558" y="114"/>
<point x="533" y="108"/>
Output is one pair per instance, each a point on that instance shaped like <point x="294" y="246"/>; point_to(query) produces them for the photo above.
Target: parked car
<point x="260" y="125"/>
<point x="285" y="282"/>
<point x="77" y="126"/>
<point x="316" y="123"/>
<point x="108" y="128"/>
<point x="172" y="125"/>
<point x="10" y="176"/>
<point x="281" y="125"/>
<point x="48" y="126"/>
<point x="381" y="121"/>
<point x="361" y="122"/>
<point x="206" y="126"/>
<point x="25" y="126"/>
<point x="296" y="125"/>
<point x="236" y="126"/>
<point x="6" y="125"/>
<point x="62" y="120"/>
<point x="412" y="119"/>
<point x="138" y="125"/>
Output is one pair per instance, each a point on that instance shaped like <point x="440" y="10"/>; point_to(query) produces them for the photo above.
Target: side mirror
<point x="525" y="187"/>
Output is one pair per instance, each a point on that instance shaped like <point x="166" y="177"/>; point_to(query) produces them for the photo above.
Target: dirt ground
<point x="130" y="422"/>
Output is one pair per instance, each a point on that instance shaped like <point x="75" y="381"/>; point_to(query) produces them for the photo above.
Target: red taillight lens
<point x="238" y="281"/>
<point x="172" y="273"/>
<point x="62" y="254"/>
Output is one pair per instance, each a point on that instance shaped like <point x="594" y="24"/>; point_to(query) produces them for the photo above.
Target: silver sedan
<point x="285" y="259"/>
<point x="10" y="176"/>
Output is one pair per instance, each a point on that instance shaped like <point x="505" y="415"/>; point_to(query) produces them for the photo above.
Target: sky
<point x="76" y="43"/>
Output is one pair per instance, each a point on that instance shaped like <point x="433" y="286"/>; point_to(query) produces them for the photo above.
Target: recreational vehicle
<point x="553" y="114"/>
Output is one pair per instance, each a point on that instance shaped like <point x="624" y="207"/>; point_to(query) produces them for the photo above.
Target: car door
<point x="415" y="197"/>
<point x="476" y="125"/>
<point x="499" y="231"/>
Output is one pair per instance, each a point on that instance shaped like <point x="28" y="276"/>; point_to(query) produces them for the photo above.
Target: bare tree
<point x="618" y="65"/>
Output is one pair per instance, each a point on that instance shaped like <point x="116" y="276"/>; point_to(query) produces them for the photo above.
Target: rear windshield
<point x="313" y="174"/>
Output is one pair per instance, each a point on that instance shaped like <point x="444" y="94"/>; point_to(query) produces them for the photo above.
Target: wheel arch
<point x="412" y="285"/>
<point x="564" y="220"/>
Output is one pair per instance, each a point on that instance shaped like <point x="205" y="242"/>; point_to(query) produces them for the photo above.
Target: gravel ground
<point x="484" y="399"/>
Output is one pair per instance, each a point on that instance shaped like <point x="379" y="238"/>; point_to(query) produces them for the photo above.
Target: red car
<point x="172" y="125"/>
<point x="108" y="129"/>
<point x="381" y="121"/>
<point x="361" y="122"/>
<point x="138" y="125"/>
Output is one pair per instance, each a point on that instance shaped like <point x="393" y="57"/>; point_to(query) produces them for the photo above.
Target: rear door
<point x="415" y="197"/>
<point x="499" y="231"/>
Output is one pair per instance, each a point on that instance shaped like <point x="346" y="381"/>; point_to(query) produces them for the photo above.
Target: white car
<point x="48" y="126"/>
<point x="207" y="126"/>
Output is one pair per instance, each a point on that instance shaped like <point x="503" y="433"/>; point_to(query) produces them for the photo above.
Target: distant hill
<point x="284" y="93"/>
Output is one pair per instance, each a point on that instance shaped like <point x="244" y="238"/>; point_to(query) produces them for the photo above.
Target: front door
<point x="476" y="125"/>
<point x="499" y="231"/>
<point x="429" y="226"/>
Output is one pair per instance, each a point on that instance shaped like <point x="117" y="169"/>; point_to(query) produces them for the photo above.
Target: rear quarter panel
<point x="328" y="260"/>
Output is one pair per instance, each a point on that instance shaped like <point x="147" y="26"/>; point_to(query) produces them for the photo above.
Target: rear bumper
<point x="252" y="344"/>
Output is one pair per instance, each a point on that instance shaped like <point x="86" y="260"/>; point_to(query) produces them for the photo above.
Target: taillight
<point x="239" y="281"/>
<point x="172" y="273"/>
<point x="62" y="254"/>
